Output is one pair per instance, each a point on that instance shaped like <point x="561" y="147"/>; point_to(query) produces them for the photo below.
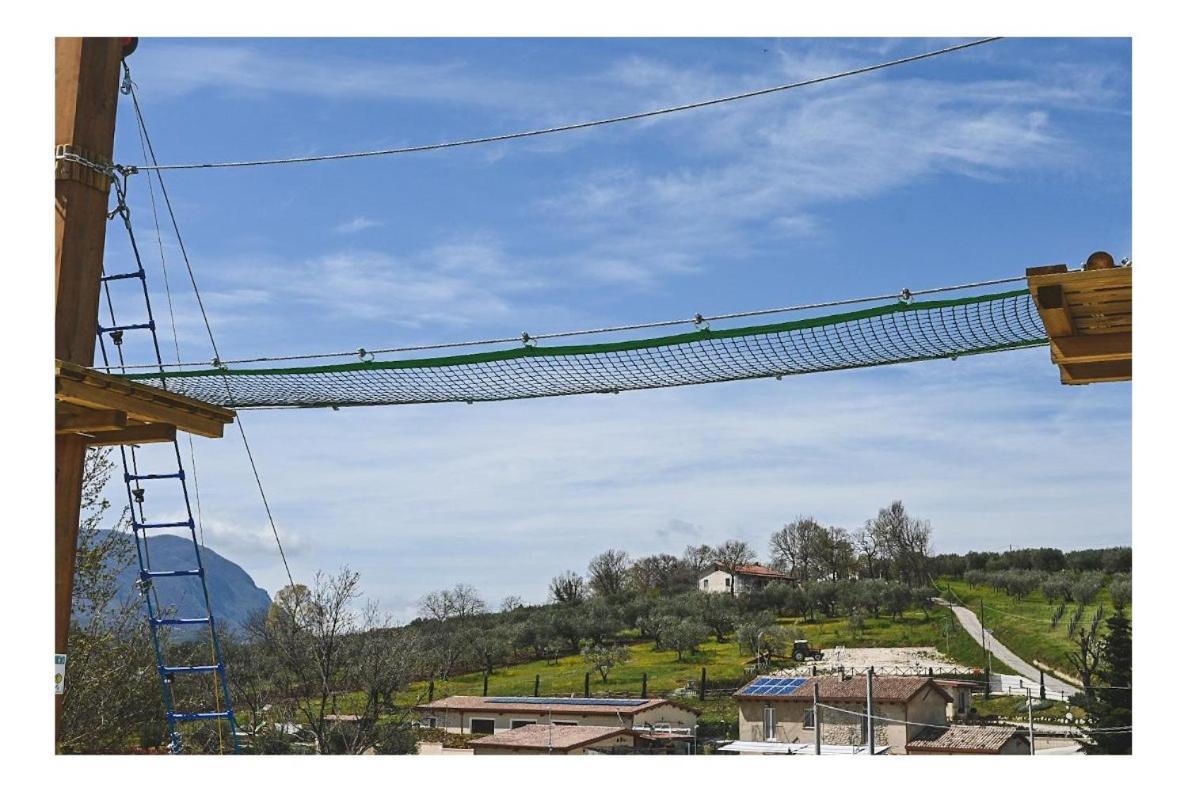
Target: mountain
<point x="234" y="597"/>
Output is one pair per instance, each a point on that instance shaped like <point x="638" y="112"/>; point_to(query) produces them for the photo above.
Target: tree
<point x="1110" y="711"/>
<point x="489" y="646"/>
<point x="1120" y="591"/>
<point x="608" y="573"/>
<point x="111" y="694"/>
<point x="511" y="603"/>
<point x="733" y="554"/>
<point x="790" y="546"/>
<point x="682" y="635"/>
<point x="460" y="602"/>
<point x="603" y="658"/>
<point x="567" y="588"/>
<point x="1086" y="658"/>
<point x="903" y="541"/>
<point x="717" y="612"/>
<point x="699" y="558"/>
<point x="661" y="574"/>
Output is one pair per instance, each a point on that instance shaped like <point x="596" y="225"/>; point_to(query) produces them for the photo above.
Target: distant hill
<point x="234" y="596"/>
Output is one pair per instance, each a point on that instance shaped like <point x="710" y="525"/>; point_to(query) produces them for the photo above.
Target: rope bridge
<point x="899" y="333"/>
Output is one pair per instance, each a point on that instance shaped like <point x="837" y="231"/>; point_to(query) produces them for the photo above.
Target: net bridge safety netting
<point x="901" y="332"/>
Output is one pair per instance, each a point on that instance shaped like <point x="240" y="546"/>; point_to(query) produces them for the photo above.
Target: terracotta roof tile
<point x="507" y="704"/>
<point x="962" y="738"/>
<point x="549" y="736"/>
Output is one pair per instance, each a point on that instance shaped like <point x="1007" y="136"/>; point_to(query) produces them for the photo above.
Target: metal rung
<point x="178" y="475"/>
<point x="210" y="714"/>
<point x="190" y="669"/>
<point x="178" y="622"/>
<point x="123" y="276"/>
<point x="172" y="573"/>
<point x="161" y="525"/>
<point x="114" y="328"/>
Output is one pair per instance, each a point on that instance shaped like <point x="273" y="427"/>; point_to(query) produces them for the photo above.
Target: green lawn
<point x="723" y="663"/>
<point x="1024" y="625"/>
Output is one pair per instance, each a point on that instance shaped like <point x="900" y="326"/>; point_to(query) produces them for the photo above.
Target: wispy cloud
<point x="356" y="224"/>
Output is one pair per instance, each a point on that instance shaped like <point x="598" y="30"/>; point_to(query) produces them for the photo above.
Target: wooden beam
<point x="86" y="76"/>
<point x="85" y="420"/>
<point x="1098" y="348"/>
<point x="154" y="433"/>
<point x="1076" y="374"/>
<point x="1054" y="311"/>
<point x="1054" y="269"/>
<point x="137" y="406"/>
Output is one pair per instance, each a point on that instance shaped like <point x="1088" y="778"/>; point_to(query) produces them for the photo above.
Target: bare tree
<point x="511" y="603"/>
<point x="661" y="574"/>
<point x="608" y="572"/>
<point x="460" y="602"/>
<point x="567" y="588"/>
<point x="699" y="558"/>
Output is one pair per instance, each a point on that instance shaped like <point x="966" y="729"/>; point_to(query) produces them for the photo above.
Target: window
<point x="564" y="723"/>
<point x="728" y="579"/>
<point x="810" y="721"/>
<point x="705" y="583"/>
<point x="769" y="723"/>
<point x="482" y="726"/>
<point x="518" y="723"/>
<point x="432" y="722"/>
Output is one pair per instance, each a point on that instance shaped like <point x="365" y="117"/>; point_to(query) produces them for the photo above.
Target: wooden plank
<point x="1054" y="269"/>
<point x="1074" y="374"/>
<point x="137" y="407"/>
<point x="1091" y="349"/>
<point x="1054" y="311"/>
<point x="159" y="396"/>
<point x="154" y="433"/>
<point x="86" y="420"/>
<point x="1085" y="281"/>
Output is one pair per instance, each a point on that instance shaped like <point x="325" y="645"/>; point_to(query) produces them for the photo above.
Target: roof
<point x="962" y="738"/>
<point x="543" y="705"/>
<point x="887" y="689"/>
<point x="778" y="748"/>
<point x="550" y="736"/>
<point x="751" y="570"/>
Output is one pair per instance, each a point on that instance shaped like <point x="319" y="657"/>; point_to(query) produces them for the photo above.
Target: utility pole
<point x="870" y="726"/>
<point x="86" y="81"/>
<point x="1030" y="724"/>
<point x="816" y="718"/>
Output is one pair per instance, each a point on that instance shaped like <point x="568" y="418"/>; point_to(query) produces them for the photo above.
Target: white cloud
<point x="356" y="224"/>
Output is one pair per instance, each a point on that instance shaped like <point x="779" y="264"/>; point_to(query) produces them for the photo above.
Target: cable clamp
<point x="217" y="364"/>
<point x="126" y="83"/>
<point x="365" y="356"/>
<point x="699" y="322"/>
<point x="528" y="340"/>
<point x="143" y="585"/>
<point x="905" y="295"/>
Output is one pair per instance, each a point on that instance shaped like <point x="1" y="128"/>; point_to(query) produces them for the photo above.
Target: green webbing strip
<point x="609" y="347"/>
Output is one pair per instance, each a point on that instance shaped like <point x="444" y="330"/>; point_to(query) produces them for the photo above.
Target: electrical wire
<point x="575" y="126"/>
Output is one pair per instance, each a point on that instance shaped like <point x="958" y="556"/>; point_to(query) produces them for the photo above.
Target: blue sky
<point x="966" y="167"/>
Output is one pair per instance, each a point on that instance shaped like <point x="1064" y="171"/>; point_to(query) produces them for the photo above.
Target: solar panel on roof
<point x="773" y="686"/>
<point x="563" y="700"/>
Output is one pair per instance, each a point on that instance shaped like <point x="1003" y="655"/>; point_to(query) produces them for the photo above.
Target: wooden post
<point x="486" y="675"/>
<point x="86" y="79"/>
<point x="701" y="690"/>
<point x="643" y="691"/>
<point x="431" y="690"/>
<point x="870" y="725"/>
<point x="587" y="685"/>
<point x="816" y="718"/>
<point x="1043" y="692"/>
<point x="536" y="687"/>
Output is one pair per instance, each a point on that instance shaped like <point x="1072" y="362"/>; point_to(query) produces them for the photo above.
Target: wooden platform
<point x="1088" y="318"/>
<point x="106" y="410"/>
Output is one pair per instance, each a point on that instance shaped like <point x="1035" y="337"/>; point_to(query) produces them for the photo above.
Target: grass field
<point x="723" y="663"/>
<point x="1024" y="625"/>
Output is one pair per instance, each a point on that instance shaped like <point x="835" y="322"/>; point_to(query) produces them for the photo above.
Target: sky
<point x="966" y="167"/>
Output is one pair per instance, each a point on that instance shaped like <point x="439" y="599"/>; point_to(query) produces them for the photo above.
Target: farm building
<point x="719" y="579"/>
<point x="780" y="710"/>
<point x="490" y="714"/>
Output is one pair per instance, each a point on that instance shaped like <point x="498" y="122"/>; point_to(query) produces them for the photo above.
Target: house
<point x="555" y="739"/>
<point x="967" y="740"/>
<point x="719" y="579"/>
<point x="962" y="692"/>
<point x="775" y="709"/>
<point x="488" y="715"/>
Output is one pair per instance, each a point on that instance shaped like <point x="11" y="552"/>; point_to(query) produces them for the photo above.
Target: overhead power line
<point x="420" y="148"/>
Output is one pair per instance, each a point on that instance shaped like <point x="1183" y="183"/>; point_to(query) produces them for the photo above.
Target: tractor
<point x="801" y="651"/>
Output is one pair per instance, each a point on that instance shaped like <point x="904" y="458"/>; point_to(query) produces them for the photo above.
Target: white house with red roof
<point x="719" y="579"/>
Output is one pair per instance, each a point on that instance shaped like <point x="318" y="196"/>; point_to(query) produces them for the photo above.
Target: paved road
<point x="969" y="620"/>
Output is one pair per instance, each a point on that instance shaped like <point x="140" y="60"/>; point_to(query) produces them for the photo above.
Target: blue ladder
<point x="134" y="486"/>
